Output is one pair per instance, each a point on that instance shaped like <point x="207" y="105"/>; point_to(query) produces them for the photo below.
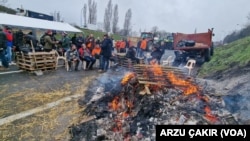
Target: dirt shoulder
<point x="24" y="91"/>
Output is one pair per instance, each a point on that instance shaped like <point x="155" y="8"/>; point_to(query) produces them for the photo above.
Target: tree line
<point x="111" y="17"/>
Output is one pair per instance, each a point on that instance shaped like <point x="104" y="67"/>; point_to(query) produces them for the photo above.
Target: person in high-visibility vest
<point x="142" y="49"/>
<point x="123" y="46"/>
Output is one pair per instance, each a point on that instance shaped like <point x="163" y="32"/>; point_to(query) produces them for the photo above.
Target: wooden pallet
<point x="34" y="61"/>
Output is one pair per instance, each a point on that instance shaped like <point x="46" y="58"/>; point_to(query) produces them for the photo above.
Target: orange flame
<point x="188" y="89"/>
<point x="157" y="70"/>
<point x="209" y="115"/>
<point x="129" y="104"/>
<point x="127" y="77"/>
<point x="125" y="114"/>
<point x="114" y="105"/>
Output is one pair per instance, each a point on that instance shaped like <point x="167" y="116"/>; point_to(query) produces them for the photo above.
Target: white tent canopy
<point x="21" y="21"/>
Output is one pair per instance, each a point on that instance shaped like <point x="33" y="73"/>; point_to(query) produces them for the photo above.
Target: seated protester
<point x="96" y="53"/>
<point x="85" y="55"/>
<point x="155" y="55"/>
<point x="72" y="56"/>
<point x="131" y="54"/>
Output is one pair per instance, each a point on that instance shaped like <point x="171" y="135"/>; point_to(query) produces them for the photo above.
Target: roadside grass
<point x="235" y="55"/>
<point x="49" y="125"/>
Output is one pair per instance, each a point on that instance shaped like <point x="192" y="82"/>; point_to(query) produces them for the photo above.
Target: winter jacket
<point x="72" y="54"/>
<point x="65" y="42"/>
<point x="156" y="54"/>
<point x="143" y="44"/>
<point x="96" y="50"/>
<point x="9" y="40"/>
<point x="106" y="47"/>
<point x="79" y="41"/>
<point x="48" y="42"/>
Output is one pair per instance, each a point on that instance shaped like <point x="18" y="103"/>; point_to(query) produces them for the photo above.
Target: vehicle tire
<point x="207" y="55"/>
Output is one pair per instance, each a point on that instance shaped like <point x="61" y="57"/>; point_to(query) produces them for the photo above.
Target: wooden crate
<point x="34" y="61"/>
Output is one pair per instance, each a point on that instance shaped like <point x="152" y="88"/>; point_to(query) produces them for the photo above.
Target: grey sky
<point x="169" y="15"/>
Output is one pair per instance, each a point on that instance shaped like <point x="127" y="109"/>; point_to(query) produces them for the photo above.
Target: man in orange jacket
<point x="142" y="48"/>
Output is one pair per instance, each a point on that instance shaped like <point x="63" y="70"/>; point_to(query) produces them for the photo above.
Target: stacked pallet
<point x="34" y="61"/>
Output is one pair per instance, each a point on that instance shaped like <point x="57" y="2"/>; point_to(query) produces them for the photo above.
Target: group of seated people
<point x="83" y="54"/>
<point x="90" y="56"/>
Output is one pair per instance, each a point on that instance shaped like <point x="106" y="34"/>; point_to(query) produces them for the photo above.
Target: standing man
<point x="9" y="37"/>
<point x="106" y="52"/>
<point x="65" y="41"/>
<point x="3" y="48"/>
<point x="79" y="41"/>
<point x="48" y="41"/>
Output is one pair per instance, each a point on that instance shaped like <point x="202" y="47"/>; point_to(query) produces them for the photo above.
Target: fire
<point x="157" y="70"/>
<point x="209" y="116"/>
<point x="188" y="89"/>
<point x="115" y="104"/>
<point x="129" y="104"/>
<point x="127" y="77"/>
<point x="125" y="114"/>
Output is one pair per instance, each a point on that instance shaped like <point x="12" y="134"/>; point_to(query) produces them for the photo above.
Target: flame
<point x="125" y="114"/>
<point x="188" y="89"/>
<point x="129" y="104"/>
<point x="157" y="70"/>
<point x="127" y="77"/>
<point x="114" y="105"/>
<point x="209" y="115"/>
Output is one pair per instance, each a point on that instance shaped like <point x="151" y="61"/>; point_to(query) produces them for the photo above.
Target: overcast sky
<point x="169" y="15"/>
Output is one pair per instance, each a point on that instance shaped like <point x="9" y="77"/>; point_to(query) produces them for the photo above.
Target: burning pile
<point x="148" y="96"/>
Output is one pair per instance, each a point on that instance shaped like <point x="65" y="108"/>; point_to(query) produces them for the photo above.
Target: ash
<point x="116" y="112"/>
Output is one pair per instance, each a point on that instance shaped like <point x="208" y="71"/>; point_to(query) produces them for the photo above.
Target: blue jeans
<point x="4" y="59"/>
<point x="140" y="53"/>
<point x="105" y="63"/>
<point x="9" y="54"/>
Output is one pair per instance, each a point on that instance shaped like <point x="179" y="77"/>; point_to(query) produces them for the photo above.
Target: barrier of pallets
<point x="34" y="61"/>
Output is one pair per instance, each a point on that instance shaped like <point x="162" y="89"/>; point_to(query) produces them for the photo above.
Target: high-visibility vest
<point x="143" y="44"/>
<point x="123" y="44"/>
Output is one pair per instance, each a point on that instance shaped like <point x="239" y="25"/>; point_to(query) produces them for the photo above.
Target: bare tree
<point x="94" y="8"/>
<point x="127" y="22"/>
<point x="90" y="11"/>
<point x="115" y="19"/>
<point x="106" y="22"/>
<point x="108" y="16"/>
<point x="85" y="14"/>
